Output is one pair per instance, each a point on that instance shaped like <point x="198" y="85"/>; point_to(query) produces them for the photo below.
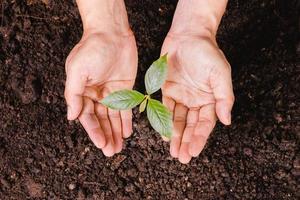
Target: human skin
<point x="198" y="89"/>
<point x="104" y="60"/>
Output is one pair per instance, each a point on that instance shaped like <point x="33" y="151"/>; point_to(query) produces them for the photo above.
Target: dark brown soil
<point x="43" y="156"/>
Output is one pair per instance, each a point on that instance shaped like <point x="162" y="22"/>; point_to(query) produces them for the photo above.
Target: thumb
<point x="221" y="84"/>
<point x="74" y="89"/>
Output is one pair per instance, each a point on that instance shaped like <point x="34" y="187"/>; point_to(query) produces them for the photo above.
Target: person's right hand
<point x="98" y="65"/>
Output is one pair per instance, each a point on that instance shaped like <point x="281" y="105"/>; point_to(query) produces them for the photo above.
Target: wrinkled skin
<point x="98" y="65"/>
<point x="198" y="90"/>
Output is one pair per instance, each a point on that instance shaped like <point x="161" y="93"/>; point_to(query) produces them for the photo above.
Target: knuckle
<point x="179" y="119"/>
<point x="102" y="115"/>
<point x="87" y="111"/>
<point x="114" y="115"/>
<point x="118" y="132"/>
<point x="126" y="119"/>
<point x="219" y="71"/>
<point x="66" y="94"/>
<point x="67" y="63"/>
<point x="227" y="66"/>
<point x="203" y="137"/>
<point x="126" y="114"/>
<point x="206" y="122"/>
<point x="231" y="98"/>
<point x="190" y="125"/>
<point x="66" y="68"/>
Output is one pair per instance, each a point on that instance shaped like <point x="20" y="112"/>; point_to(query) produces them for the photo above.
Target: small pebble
<point x="72" y="186"/>
<point x="296" y="163"/>
<point x="247" y="151"/>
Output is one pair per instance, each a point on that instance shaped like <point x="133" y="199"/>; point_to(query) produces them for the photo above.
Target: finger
<point x="179" y="119"/>
<point x="170" y="104"/>
<point x="116" y="125"/>
<point x="126" y="118"/>
<point x="205" y="125"/>
<point x="102" y="114"/>
<point x="92" y="93"/>
<point x="221" y="84"/>
<point x="75" y="85"/>
<point x="91" y="124"/>
<point x="191" y="121"/>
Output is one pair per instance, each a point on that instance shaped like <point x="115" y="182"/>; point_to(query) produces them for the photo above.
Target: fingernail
<point x="69" y="113"/>
<point x="228" y="117"/>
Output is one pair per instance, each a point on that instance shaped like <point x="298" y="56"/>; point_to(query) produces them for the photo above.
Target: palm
<point x="106" y="59"/>
<point x="102" y="64"/>
<point x="195" y="63"/>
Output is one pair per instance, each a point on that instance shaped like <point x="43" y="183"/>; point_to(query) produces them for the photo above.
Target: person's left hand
<point x="198" y="89"/>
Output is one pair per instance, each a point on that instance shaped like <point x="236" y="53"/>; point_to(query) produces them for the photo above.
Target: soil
<point x="43" y="156"/>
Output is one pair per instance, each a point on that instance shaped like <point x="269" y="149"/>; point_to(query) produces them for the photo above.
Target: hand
<point x="198" y="89"/>
<point x="98" y="65"/>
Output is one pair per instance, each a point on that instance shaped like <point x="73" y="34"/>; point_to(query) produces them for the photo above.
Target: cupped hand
<point x="198" y="90"/>
<point x="98" y="65"/>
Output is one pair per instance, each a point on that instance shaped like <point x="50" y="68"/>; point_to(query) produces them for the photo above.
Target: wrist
<point x="198" y="17"/>
<point x="104" y="16"/>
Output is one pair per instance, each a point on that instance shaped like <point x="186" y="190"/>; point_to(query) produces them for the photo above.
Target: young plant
<point x="159" y="116"/>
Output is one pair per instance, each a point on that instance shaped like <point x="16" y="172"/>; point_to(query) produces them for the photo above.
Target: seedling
<point x="159" y="116"/>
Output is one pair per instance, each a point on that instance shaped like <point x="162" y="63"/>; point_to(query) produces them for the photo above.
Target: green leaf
<point x="160" y="118"/>
<point x="143" y="105"/>
<point x="156" y="75"/>
<point x="123" y="99"/>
